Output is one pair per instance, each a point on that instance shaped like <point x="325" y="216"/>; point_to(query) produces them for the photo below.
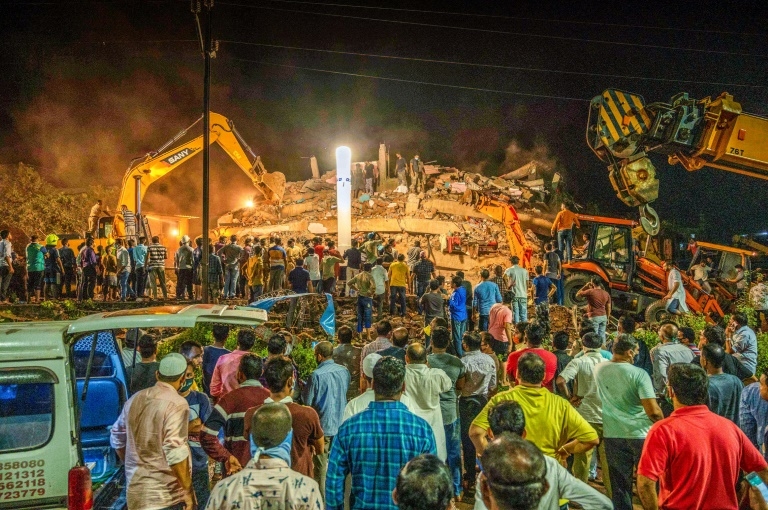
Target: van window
<point x="26" y="408"/>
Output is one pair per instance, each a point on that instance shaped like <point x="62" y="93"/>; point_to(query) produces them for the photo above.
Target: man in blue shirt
<point x="541" y="286"/>
<point x="741" y="341"/>
<point x="457" y="305"/>
<point x="487" y="294"/>
<point x="140" y="258"/>
<point x="373" y="445"/>
<point x="326" y="392"/>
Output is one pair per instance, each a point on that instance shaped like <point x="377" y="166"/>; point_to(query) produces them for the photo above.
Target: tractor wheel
<point x="573" y="283"/>
<point x="657" y="312"/>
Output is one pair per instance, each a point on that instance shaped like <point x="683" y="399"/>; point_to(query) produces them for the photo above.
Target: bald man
<point x="666" y="353"/>
<point x="424" y="386"/>
<point x="326" y="392"/>
<point x="268" y="481"/>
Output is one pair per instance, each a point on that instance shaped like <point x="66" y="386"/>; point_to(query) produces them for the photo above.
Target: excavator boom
<point x="622" y="130"/>
<point x="507" y="215"/>
<point x="143" y="173"/>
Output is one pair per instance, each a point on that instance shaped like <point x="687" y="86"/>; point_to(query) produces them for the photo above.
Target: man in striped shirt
<point x="156" y="255"/>
<point x="228" y="414"/>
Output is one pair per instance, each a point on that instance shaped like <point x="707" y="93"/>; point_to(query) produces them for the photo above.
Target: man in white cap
<point x="150" y="436"/>
<point x="360" y="403"/>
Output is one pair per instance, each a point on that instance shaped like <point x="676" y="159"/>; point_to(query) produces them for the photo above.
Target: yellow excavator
<point x="144" y="171"/>
<point x="622" y="130"/>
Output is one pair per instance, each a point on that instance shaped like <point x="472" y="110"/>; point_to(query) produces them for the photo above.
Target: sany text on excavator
<point x="622" y="130"/>
<point x="144" y="171"/>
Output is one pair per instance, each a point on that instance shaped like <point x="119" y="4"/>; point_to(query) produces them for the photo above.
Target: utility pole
<point x="209" y="51"/>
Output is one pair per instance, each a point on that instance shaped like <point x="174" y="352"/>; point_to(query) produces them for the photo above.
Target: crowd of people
<point x="516" y="416"/>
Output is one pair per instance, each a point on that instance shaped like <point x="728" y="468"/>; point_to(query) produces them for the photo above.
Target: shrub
<point x="762" y="353"/>
<point x="648" y="336"/>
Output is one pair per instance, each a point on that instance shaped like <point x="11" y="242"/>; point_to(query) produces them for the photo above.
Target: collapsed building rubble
<point x="446" y="217"/>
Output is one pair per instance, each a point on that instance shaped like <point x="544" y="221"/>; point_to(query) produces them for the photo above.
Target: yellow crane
<point x="146" y="170"/>
<point x="622" y="130"/>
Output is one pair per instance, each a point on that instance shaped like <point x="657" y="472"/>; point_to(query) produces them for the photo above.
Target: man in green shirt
<point x="35" y="268"/>
<point x="629" y="410"/>
<point x="328" y="266"/>
<point x="365" y="286"/>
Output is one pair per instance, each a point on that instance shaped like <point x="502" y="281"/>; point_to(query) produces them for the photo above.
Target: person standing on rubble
<point x="487" y="294"/>
<point x="554" y="270"/>
<point x="312" y="264"/>
<point x="354" y="258"/>
<point x="417" y="173"/>
<point x="255" y="274"/>
<point x="399" y="275"/>
<point x="457" y="305"/>
<point x="369" y="175"/>
<point x="328" y="274"/>
<point x="381" y="277"/>
<point x="518" y="284"/>
<point x="358" y="180"/>
<point x="423" y="272"/>
<point x="563" y="225"/>
<point x="278" y="259"/>
<point x="400" y="168"/>
<point x="365" y="287"/>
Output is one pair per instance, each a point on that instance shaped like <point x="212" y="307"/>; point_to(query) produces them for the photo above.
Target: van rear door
<point x="35" y="442"/>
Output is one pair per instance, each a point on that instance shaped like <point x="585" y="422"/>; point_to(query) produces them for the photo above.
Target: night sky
<point x="87" y="86"/>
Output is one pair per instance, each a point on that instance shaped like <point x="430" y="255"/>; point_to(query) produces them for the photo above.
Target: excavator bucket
<point x="272" y="186"/>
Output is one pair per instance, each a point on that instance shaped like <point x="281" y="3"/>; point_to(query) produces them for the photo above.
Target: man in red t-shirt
<point x="534" y="336"/>
<point x="695" y="455"/>
<point x="598" y="304"/>
<point x="308" y="435"/>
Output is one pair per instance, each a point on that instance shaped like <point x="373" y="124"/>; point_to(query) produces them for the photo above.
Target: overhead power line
<point x="521" y="18"/>
<point x="501" y="32"/>
<point x="493" y="66"/>
<point x="402" y="80"/>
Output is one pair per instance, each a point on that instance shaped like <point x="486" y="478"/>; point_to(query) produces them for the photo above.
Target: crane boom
<point x="622" y="130"/>
<point x="143" y="172"/>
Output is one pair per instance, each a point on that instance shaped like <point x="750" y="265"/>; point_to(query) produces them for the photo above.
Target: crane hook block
<point x="649" y="219"/>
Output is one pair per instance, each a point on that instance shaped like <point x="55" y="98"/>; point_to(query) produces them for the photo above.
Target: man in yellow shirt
<point x="399" y="274"/>
<point x="255" y="273"/>
<point x="552" y="423"/>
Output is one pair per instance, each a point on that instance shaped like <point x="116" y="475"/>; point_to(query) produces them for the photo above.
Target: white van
<point x="62" y="386"/>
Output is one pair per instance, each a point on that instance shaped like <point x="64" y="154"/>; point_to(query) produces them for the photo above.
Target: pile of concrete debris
<point x="443" y="216"/>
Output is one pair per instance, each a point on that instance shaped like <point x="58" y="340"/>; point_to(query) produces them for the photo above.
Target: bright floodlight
<point x="174" y="232"/>
<point x="249" y="203"/>
<point x="344" y="196"/>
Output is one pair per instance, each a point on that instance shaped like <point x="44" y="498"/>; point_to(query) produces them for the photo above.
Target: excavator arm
<point x="506" y="215"/>
<point x="622" y="130"/>
<point x="143" y="172"/>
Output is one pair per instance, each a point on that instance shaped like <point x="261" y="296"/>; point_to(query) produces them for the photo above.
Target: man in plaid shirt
<point x="498" y="279"/>
<point x="373" y="445"/>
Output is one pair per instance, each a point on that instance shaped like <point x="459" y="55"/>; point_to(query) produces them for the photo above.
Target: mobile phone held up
<point x="755" y="481"/>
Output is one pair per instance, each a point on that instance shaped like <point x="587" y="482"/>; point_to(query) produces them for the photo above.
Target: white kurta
<point x="424" y="385"/>
<point x="674" y="276"/>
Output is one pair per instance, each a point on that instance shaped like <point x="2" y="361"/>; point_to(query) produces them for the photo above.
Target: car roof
<point x="24" y="340"/>
<point x="46" y="339"/>
<point x="170" y="317"/>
